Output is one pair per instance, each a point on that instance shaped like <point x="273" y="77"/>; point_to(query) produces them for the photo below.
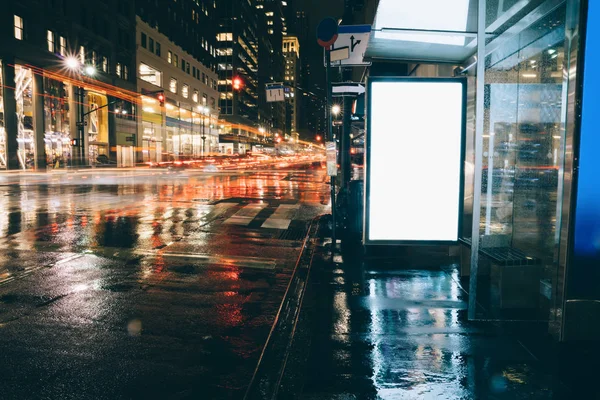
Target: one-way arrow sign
<point x="356" y="38"/>
<point x="347" y="89"/>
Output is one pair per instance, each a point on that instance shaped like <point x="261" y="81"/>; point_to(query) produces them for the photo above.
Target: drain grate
<point x="296" y="231"/>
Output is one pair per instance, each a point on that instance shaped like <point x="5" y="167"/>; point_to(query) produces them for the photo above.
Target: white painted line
<point x="282" y="217"/>
<point x="276" y="223"/>
<point x="246" y="214"/>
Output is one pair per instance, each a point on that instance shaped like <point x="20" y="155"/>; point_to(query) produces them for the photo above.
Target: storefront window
<point x="173" y="134"/>
<point x="97" y="127"/>
<point x="56" y="124"/>
<point x="2" y="130"/>
<point x="152" y="130"/>
<point x="24" y="103"/>
<point x="185" y="132"/>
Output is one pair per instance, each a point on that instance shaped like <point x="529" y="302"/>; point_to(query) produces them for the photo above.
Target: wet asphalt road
<point x="145" y="284"/>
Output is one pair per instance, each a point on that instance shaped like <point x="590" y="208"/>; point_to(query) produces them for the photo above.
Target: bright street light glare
<point x="72" y="63"/>
<point x="336" y="109"/>
<point x="90" y="70"/>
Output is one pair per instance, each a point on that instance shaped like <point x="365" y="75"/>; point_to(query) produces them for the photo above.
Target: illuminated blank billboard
<point x="414" y="180"/>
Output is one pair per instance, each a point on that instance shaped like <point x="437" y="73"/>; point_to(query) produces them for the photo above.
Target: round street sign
<point x="327" y="32"/>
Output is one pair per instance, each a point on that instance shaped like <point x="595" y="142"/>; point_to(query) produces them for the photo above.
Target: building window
<point x="204" y="98"/>
<point x="94" y="57"/>
<point x="50" y="40"/>
<point x="157" y="52"/>
<point x="19" y="28"/>
<point x="185" y="91"/>
<point x="194" y="72"/>
<point x="144" y="39"/>
<point x="187" y="68"/>
<point x="151" y="45"/>
<point x="175" y="60"/>
<point x="118" y="70"/>
<point x="225" y="37"/>
<point x="82" y="54"/>
<point x="150" y="74"/>
<point x="104" y="64"/>
<point x="63" y="46"/>
<point x="125" y="72"/>
<point x="173" y="85"/>
<point x="195" y="96"/>
<point x="169" y="57"/>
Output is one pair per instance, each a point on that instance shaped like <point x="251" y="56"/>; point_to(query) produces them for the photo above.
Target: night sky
<point x="316" y="11"/>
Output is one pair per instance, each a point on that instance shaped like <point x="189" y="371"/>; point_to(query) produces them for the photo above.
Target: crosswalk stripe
<point x="282" y="217"/>
<point x="246" y="214"/>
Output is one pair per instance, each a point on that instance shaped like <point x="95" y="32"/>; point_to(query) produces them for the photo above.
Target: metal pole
<point x="330" y="137"/>
<point x="479" y="126"/>
<point x="345" y="142"/>
<point x="203" y="134"/>
<point x="81" y="128"/>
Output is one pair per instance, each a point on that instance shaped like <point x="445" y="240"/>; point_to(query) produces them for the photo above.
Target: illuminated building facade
<point x="65" y="67"/>
<point x="183" y="124"/>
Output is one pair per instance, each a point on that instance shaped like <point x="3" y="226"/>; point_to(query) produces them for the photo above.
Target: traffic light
<point x="75" y="142"/>
<point x="237" y="83"/>
<point x="318" y="138"/>
<point x="161" y="98"/>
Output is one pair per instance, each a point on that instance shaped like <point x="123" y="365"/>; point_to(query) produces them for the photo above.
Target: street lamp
<point x="75" y="65"/>
<point x="336" y="109"/>
<point x="205" y="111"/>
<point x="90" y="70"/>
<point x="72" y="63"/>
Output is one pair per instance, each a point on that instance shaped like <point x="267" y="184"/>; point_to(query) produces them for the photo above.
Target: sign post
<point x="352" y="43"/>
<point x="275" y="92"/>
<point x="327" y="34"/>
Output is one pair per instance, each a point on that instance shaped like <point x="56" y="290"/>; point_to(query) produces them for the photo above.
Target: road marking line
<point x="242" y="262"/>
<point x="282" y="217"/>
<point x="246" y="214"/>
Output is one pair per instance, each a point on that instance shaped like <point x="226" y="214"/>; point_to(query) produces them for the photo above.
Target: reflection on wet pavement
<point x="132" y="286"/>
<point x="398" y="333"/>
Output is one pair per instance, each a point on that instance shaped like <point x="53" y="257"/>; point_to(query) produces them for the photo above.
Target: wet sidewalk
<point x="399" y="330"/>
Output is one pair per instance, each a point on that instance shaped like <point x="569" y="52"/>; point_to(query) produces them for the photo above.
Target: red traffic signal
<point x="237" y="83"/>
<point x="318" y="138"/>
<point x="161" y="99"/>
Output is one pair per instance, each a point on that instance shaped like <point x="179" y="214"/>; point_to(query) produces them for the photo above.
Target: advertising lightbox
<point x="415" y="153"/>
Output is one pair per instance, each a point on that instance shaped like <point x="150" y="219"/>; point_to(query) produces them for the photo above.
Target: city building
<point x="238" y="83"/>
<point x="291" y="51"/>
<point x="68" y="83"/>
<point x="272" y="64"/>
<point x="179" y="110"/>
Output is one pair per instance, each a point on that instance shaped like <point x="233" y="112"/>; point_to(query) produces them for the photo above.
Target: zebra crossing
<point x="268" y="217"/>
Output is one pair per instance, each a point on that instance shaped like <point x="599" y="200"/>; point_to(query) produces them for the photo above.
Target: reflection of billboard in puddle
<point x="415" y="148"/>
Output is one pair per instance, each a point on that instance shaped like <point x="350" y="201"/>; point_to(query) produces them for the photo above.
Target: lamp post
<point x="335" y="111"/>
<point x="204" y="111"/>
<point x="76" y="66"/>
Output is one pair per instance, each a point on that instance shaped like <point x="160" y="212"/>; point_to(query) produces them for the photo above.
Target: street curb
<point x="270" y="369"/>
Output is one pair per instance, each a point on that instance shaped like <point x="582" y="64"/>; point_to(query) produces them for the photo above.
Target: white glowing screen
<point x="415" y="160"/>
